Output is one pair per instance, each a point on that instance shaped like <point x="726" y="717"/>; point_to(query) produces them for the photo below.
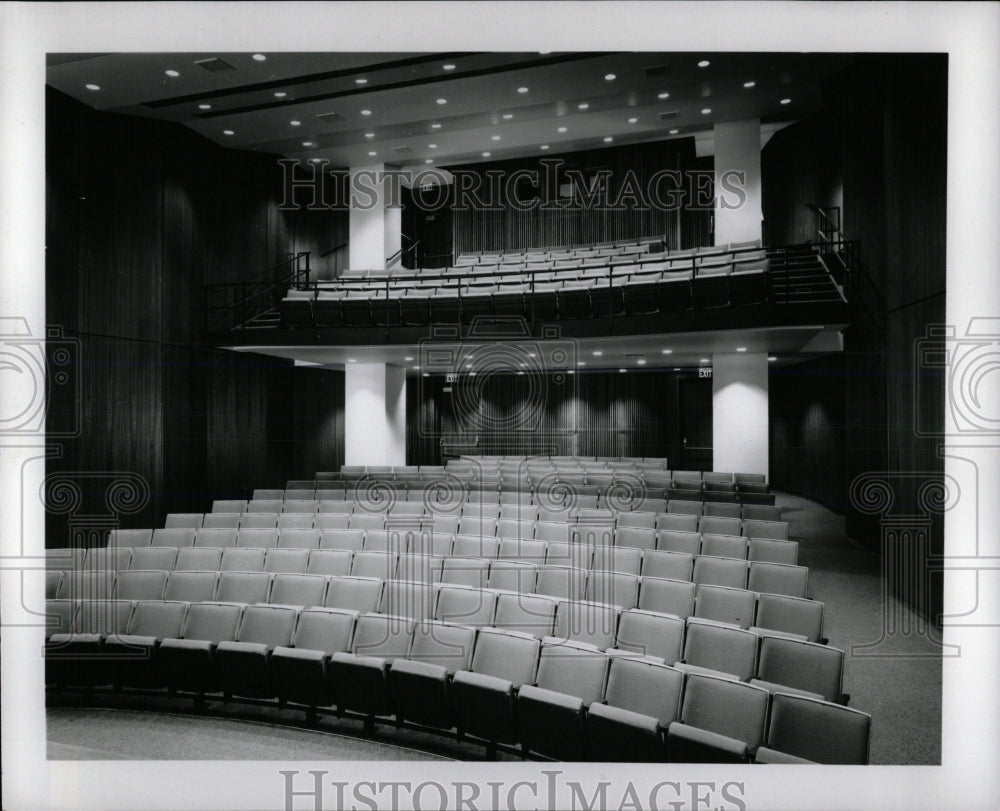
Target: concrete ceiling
<point x="350" y="105"/>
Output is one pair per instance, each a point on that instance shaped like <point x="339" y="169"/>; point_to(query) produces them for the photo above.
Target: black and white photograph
<point x="500" y="405"/>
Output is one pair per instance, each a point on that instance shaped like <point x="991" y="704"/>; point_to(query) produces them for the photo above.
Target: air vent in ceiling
<point x="402" y="150"/>
<point x="213" y="65"/>
<point x="656" y="70"/>
<point x="668" y="115"/>
<point x="330" y="117"/>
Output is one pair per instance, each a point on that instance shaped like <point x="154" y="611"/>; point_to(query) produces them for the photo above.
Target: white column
<point x="740" y="413"/>
<point x="738" y="209"/>
<point x="374" y="414"/>
<point x="375" y="225"/>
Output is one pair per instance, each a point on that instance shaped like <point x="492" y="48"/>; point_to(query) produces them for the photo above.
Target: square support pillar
<point x="375" y="216"/>
<point x="374" y="414"/>
<point x="738" y="208"/>
<point x="740" y="438"/>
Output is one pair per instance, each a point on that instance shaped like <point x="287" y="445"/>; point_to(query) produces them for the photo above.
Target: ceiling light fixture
<point x="494" y="137"/>
<point x="428" y="160"/>
<point x="308" y="143"/>
<point x="93" y="87"/>
<point x="608" y="139"/>
<point x="280" y="94"/>
<point x="598" y="353"/>
<point x="426" y="374"/>
<point x="622" y="371"/>
<point x="772" y="359"/>
<point x="366" y="112"/>
<point x="704" y="63"/>
<point x="562" y="129"/>
<point x="408" y="358"/>
<point x="432" y="146"/>
<point x="641" y="362"/>
<point x="704" y="360"/>
<point x="706" y="110"/>
<point x="663" y="96"/>
<point x="227" y="132"/>
<point x="610" y="77"/>
<point x="369" y="135"/>
<point x="741" y="349"/>
<point x="351" y="360"/>
<point x="749" y="84"/>
<point x="632" y="120"/>
<point x="486" y="154"/>
<point x="295" y="123"/>
<point x="442" y="101"/>
<point x="204" y="106"/>
<point x="448" y="67"/>
<point x="259" y="57"/>
<point x="674" y="132"/>
<point x="544" y="146"/>
<point x="508" y="116"/>
<point x="668" y="351"/>
<point x="314" y="160"/>
<point x="360" y="81"/>
<point x="583" y="106"/>
<point x="372" y="154"/>
<point x="581" y="363"/>
<point x="522" y="90"/>
<point x="173" y="74"/>
<point x="786" y="101"/>
<point x="435" y="126"/>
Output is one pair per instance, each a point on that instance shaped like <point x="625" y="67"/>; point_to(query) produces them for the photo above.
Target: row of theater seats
<point x="556" y="696"/>
<point x="496" y="518"/>
<point x="626" y="284"/>
<point x="616" y="574"/>
<point x="557" y="252"/>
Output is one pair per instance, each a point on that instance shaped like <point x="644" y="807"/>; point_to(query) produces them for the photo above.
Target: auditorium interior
<point x="489" y="406"/>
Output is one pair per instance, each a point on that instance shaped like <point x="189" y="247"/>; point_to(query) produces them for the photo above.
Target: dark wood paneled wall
<point x="592" y="414"/>
<point x="489" y="221"/>
<point x="881" y="143"/>
<point x="139" y="215"/>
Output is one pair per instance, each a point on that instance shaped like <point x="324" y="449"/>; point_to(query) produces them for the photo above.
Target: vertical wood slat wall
<point x="502" y="226"/>
<point x="139" y="214"/>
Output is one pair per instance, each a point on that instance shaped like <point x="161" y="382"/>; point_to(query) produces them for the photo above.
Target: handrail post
<point x="611" y="297"/>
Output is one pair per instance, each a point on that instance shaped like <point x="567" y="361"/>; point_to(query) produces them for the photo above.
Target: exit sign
<point x="704" y="372"/>
<point x="451" y="378"/>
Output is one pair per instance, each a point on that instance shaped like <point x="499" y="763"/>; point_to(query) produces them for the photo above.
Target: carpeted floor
<point x="898" y="683"/>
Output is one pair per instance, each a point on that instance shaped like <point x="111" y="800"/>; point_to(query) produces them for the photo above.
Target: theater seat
<point x="651" y="634"/>
<point x="529" y="613"/>
<point x="190" y="661"/>
<point x="642" y="699"/>
<point x="667" y="596"/>
<point x="722" y="721"/>
<point x="720" y="650"/>
<point x="420" y="684"/>
<point x="300" y="672"/>
<point x="593" y="623"/>
<point x="571" y="676"/>
<point x="134" y="655"/>
<point x="80" y="658"/>
<point x="804" y="668"/>
<point x="244" y="664"/>
<point x="360" y="677"/>
<point x="360" y="594"/>
<point x="804" y="730"/>
<point x="790" y="615"/>
<point x="725" y="604"/>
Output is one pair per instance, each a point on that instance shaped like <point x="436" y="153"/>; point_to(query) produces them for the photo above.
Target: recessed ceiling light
<point x="442" y="101"/>
<point x="369" y="135"/>
<point x="351" y="360"/>
<point x="432" y="146"/>
<point x="772" y="358"/>
<point x="508" y="116"/>
<point x="571" y="372"/>
<point x="417" y="366"/>
<point x="522" y="90"/>
<point x="360" y="81"/>
<point x="632" y="120"/>
<point x="544" y="146"/>
<point x="520" y="373"/>
<point x="706" y="110"/>
<point x="448" y="67"/>
<point x="428" y="160"/>
<point x="494" y="137"/>
<point x="641" y="362"/>
<point x="663" y="96"/>
<point x="366" y="112"/>
<point x="704" y="63"/>
<point x="674" y="132"/>
<point x="295" y="123"/>
<point x="622" y="371"/>
<point x="308" y="143"/>
<point x="172" y="73"/>
<point x="677" y="368"/>
<point x="749" y="84"/>
<point x="259" y="57"/>
<point x="227" y="132"/>
<point x="280" y="94"/>
<point x="741" y="349"/>
<point x="531" y="354"/>
<point x="204" y="106"/>
<point x="581" y="363"/>
<point x="583" y="106"/>
<point x="372" y="154"/>
<point x="668" y="351"/>
<point x="562" y="129"/>
<point x="608" y="139"/>
<point x="314" y="160"/>
<point x="93" y="87"/>
<point x="598" y="353"/>
<point x="610" y="77"/>
<point x="426" y="374"/>
<point x="786" y="101"/>
<point x="704" y="360"/>
<point x="408" y="358"/>
<point x="435" y="126"/>
<point x="486" y="154"/>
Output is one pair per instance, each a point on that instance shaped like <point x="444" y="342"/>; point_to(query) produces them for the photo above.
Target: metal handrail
<point x="257" y="287"/>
